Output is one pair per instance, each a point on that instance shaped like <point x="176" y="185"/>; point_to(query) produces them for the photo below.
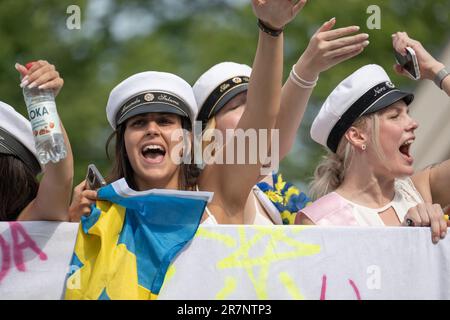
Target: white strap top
<point x="406" y="196"/>
<point x="211" y="220"/>
<point x="259" y="218"/>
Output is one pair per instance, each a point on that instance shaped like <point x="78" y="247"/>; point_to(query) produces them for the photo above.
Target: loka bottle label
<point x="44" y="119"/>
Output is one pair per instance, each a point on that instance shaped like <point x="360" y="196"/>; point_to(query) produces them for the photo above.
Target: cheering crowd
<point x="366" y="179"/>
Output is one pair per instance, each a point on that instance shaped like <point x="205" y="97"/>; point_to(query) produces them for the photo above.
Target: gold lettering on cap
<point x="131" y="104"/>
<point x="379" y="90"/>
<point x="166" y="98"/>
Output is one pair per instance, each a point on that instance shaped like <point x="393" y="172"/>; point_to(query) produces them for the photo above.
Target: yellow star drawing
<point x="241" y="258"/>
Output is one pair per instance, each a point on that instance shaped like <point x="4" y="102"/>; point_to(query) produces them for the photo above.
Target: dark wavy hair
<point x="122" y="168"/>
<point x="18" y="187"/>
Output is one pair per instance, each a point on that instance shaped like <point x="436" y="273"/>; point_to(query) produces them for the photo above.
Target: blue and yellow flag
<point x="123" y="249"/>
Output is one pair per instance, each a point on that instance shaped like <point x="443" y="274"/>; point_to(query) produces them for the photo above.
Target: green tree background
<point x="119" y="38"/>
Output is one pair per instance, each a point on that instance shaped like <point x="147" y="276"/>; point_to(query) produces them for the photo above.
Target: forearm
<point x="263" y="102"/>
<point x="439" y="178"/>
<point x="53" y="198"/>
<point x="264" y="88"/>
<point x="294" y="100"/>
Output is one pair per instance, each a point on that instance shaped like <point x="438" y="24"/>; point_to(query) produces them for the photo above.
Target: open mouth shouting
<point x="153" y="153"/>
<point x="405" y="150"/>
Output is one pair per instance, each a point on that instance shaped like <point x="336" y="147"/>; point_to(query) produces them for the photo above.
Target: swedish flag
<point x="125" y="246"/>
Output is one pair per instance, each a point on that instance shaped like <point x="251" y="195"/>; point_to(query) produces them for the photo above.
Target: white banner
<point x="35" y="258"/>
<point x="251" y="262"/>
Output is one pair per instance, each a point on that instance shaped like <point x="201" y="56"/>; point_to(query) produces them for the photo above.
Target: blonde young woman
<point x="367" y="178"/>
<point x="146" y="143"/>
<point x="22" y="196"/>
<point x="221" y="93"/>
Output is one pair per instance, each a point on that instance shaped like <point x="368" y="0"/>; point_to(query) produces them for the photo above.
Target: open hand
<point x="329" y="47"/>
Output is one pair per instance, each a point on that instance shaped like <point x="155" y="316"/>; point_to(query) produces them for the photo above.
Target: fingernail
<point x="334" y="18"/>
<point x="16" y="66"/>
<point x="357" y="27"/>
<point x="31" y="86"/>
<point x="436" y="239"/>
<point x="41" y="86"/>
<point x="366" y="43"/>
<point x="23" y="84"/>
<point x="25" y="78"/>
<point x="443" y="234"/>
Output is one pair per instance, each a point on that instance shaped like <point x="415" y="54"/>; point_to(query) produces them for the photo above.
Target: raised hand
<point x="428" y="65"/>
<point x="42" y="75"/>
<point x="329" y="47"/>
<point x="277" y="13"/>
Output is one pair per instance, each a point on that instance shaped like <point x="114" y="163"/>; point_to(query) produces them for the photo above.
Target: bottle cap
<point x="29" y="65"/>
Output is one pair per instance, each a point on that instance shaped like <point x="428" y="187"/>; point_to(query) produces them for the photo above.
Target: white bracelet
<point x="300" y="79"/>
<point x="298" y="83"/>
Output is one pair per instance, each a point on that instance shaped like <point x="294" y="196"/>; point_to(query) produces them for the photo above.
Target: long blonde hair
<point x="330" y="172"/>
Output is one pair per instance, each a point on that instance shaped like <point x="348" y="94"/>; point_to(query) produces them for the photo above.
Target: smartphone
<point x="409" y="63"/>
<point x="94" y="179"/>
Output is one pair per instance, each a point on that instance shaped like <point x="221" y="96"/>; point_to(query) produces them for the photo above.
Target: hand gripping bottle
<point x="45" y="122"/>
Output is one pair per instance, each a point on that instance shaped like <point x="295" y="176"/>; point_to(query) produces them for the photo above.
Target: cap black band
<point x="152" y="97"/>
<point x="209" y="106"/>
<point x="360" y="107"/>
<point x="10" y="145"/>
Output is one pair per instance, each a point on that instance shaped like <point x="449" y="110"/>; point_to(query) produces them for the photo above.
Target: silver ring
<point x="409" y="222"/>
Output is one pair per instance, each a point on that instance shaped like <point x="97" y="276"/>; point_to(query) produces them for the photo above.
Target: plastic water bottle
<point x="45" y="122"/>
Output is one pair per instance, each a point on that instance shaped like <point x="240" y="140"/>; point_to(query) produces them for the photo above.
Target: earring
<point x="363" y="147"/>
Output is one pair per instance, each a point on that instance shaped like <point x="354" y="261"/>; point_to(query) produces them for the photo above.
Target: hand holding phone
<point x="94" y="180"/>
<point x="409" y="63"/>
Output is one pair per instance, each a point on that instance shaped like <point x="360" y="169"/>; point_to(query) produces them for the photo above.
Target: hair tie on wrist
<point x="299" y="81"/>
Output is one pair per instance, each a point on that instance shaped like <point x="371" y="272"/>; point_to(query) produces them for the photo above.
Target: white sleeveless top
<point x="211" y="220"/>
<point x="259" y="219"/>
<point x="406" y="196"/>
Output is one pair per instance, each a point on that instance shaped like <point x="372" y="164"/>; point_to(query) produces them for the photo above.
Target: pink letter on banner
<point x="6" y="258"/>
<point x="16" y="229"/>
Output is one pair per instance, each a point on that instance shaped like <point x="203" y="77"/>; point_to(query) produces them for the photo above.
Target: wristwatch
<point x="440" y="77"/>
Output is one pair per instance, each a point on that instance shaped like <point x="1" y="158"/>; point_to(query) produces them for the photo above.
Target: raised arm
<point x="326" y="49"/>
<point x="432" y="182"/>
<point x="232" y="182"/>
<point x="428" y="65"/>
<point x="53" y="197"/>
